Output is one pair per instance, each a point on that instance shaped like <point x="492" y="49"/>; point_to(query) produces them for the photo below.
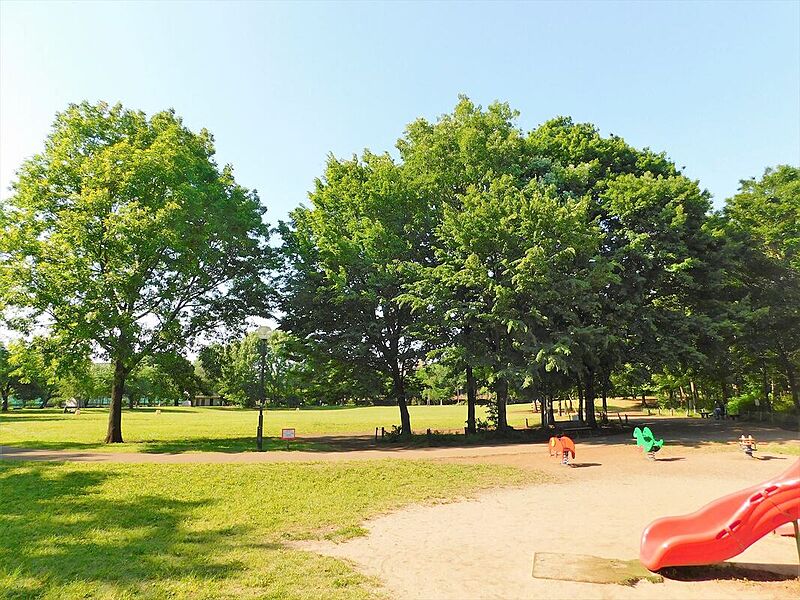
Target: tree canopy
<point x="127" y="240"/>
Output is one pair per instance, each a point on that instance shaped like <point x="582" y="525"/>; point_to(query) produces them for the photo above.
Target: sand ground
<point x="483" y="548"/>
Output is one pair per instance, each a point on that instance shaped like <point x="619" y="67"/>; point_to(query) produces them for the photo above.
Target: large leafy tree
<point x="764" y="227"/>
<point x="520" y="262"/>
<point x="652" y="221"/>
<point x="126" y="239"/>
<point x="8" y="377"/>
<point x="346" y="259"/>
<point x="462" y="151"/>
<point x="35" y="367"/>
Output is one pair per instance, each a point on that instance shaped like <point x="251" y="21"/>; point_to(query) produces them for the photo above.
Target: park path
<point x="688" y="432"/>
<point x="477" y="452"/>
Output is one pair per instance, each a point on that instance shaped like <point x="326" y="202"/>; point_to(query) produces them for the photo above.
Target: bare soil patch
<point x="483" y="547"/>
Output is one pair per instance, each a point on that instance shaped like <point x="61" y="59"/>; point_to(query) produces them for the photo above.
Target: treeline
<point x="546" y="263"/>
<point x="30" y="375"/>
<point x="534" y="265"/>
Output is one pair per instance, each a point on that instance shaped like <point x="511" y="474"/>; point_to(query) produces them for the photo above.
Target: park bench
<point x="573" y="430"/>
<point x="732" y="417"/>
<point x="705" y="414"/>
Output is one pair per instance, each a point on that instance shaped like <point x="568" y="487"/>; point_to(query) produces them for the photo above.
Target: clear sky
<point x="716" y="85"/>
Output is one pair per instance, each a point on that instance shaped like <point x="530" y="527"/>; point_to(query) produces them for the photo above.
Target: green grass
<point x="220" y="429"/>
<point x="78" y="530"/>
<point x="792" y="449"/>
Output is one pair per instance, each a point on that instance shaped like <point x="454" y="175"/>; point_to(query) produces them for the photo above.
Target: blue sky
<point x="715" y="85"/>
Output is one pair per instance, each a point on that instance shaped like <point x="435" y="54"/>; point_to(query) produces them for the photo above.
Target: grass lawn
<point x="790" y="448"/>
<point x="230" y="429"/>
<point x="70" y="530"/>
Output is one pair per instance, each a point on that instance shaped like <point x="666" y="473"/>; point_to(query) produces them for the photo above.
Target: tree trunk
<point x="400" y="395"/>
<point x="791" y="378"/>
<point x="543" y="414"/>
<point x="767" y="404"/>
<point x="725" y="394"/>
<point x="5" y="392"/>
<point x="501" y="388"/>
<point x="693" y="390"/>
<point x="472" y="397"/>
<point x="605" y="400"/>
<point x="580" y="400"/>
<point x="114" y="434"/>
<point x="591" y="421"/>
<point x="550" y="416"/>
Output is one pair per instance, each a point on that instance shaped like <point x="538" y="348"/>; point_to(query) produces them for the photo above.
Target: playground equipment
<point x="562" y="446"/>
<point x="725" y="527"/>
<point x="645" y="439"/>
<point x="748" y="445"/>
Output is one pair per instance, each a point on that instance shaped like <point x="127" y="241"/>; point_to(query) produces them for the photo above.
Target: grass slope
<point x="71" y="530"/>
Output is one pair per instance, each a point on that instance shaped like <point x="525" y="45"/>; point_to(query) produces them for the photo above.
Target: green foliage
<point x="769" y="209"/>
<point x="8" y="377"/>
<point x="126" y="239"/>
<point x="234" y="369"/>
<point x="345" y="264"/>
<point x="761" y="224"/>
<point x="37" y="368"/>
<point x="438" y="382"/>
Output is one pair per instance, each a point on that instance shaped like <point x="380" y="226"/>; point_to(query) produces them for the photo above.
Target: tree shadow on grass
<point x="55" y="531"/>
<point x="9" y="418"/>
<point x="229" y="445"/>
<point x="175" y="446"/>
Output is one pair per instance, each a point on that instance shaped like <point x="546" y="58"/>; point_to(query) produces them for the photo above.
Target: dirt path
<point x="692" y="433"/>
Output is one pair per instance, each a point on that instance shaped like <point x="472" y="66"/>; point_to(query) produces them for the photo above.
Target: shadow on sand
<point x="750" y="571"/>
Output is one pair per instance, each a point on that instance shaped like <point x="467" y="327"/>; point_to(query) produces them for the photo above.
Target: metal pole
<point x="260" y="431"/>
<point x="262" y="347"/>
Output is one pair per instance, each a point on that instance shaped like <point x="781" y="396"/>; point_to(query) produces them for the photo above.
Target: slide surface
<point x="725" y="527"/>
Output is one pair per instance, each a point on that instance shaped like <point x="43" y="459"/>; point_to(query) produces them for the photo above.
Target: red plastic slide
<point x="724" y="528"/>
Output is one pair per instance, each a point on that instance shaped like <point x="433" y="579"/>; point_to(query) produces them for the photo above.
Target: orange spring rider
<point x="562" y="446"/>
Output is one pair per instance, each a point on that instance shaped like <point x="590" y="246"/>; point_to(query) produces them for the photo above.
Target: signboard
<point x="288" y="434"/>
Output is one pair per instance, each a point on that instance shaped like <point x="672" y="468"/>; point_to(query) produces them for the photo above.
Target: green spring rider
<point x="645" y="439"/>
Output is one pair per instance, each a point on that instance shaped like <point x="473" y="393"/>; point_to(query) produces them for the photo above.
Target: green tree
<point x="653" y="224"/>
<point x="763" y="224"/>
<point x="36" y="368"/>
<point x="345" y="265"/>
<point x="234" y="368"/>
<point x="7" y="377"/>
<point x="468" y="148"/>
<point x="125" y="238"/>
